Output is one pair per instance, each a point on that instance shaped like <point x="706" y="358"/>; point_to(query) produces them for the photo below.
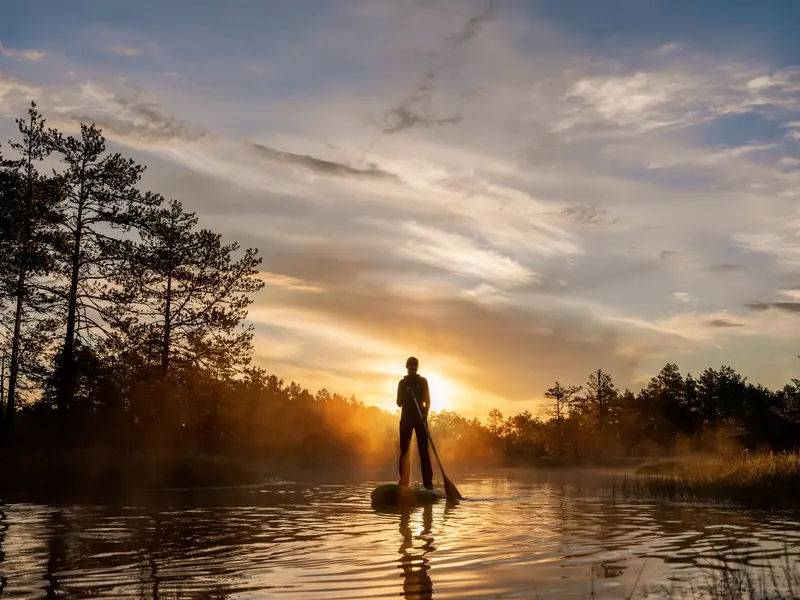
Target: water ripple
<point x="514" y="538"/>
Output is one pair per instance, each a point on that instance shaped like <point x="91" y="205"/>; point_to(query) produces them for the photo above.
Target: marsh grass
<point x="723" y="578"/>
<point x="763" y="481"/>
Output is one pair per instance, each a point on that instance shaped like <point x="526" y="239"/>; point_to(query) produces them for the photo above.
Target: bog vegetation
<point x="124" y="332"/>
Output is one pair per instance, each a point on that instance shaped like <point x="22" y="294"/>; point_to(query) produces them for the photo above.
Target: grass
<point x="764" y="481"/>
<point x="724" y="578"/>
<point x="726" y="582"/>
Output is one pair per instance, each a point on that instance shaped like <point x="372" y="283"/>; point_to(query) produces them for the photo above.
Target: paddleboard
<point x="389" y="494"/>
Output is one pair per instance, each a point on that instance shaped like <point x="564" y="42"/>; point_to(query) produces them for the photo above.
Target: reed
<point x="766" y="480"/>
<point x="727" y="579"/>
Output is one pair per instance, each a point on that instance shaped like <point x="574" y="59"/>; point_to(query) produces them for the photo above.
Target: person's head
<point x="412" y="364"/>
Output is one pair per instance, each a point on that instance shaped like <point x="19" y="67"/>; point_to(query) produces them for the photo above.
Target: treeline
<point x="122" y="327"/>
<point x="717" y="412"/>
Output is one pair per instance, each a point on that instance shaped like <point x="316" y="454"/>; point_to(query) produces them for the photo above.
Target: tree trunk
<point x="67" y="382"/>
<point x="167" y="327"/>
<point x="14" y="371"/>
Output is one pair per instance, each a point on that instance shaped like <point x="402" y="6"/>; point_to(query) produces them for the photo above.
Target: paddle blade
<point x="450" y="490"/>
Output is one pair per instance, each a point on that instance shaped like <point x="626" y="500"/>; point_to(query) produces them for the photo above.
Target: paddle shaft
<point x="430" y="439"/>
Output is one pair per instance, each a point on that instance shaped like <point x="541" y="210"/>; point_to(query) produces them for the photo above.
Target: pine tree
<point x="563" y="399"/>
<point x="27" y="228"/>
<point x="184" y="283"/>
<point x="99" y="196"/>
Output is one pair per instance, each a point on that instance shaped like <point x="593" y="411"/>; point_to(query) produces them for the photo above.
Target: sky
<point x="517" y="193"/>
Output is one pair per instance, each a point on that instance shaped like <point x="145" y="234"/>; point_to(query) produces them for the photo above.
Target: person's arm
<point x="400" y="393"/>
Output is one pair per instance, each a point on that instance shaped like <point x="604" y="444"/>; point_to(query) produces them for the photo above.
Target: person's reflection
<point x="417" y="584"/>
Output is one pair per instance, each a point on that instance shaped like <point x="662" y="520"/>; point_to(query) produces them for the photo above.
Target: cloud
<point x="712" y="158"/>
<point x="318" y="165"/>
<point x="24" y="55"/>
<point x="124" y="50"/>
<point x="722" y="267"/>
<point x="461" y="255"/>
<point x="790" y="307"/>
<point x="724" y="323"/>
<point x="780" y="244"/>
<point x="632" y="100"/>
<point x="681" y="331"/>
<point x="404" y="117"/>
<point x="669" y="48"/>
<point x="678" y="95"/>
<point x="129" y="114"/>
<point x="471" y="28"/>
<point x="291" y="283"/>
<point x="793" y="293"/>
<point x="414" y="111"/>
<point x="584" y="214"/>
<point x="15" y="93"/>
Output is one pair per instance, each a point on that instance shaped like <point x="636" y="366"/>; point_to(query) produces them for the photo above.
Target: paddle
<point x="450" y="489"/>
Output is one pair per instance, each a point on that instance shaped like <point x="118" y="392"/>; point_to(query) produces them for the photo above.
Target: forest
<point x="124" y="330"/>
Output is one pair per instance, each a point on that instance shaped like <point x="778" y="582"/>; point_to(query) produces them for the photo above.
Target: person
<point x="414" y="386"/>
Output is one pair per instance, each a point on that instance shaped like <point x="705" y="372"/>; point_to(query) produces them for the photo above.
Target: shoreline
<point x="763" y="481"/>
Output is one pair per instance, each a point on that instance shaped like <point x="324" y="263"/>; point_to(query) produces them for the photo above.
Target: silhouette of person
<point x="410" y="388"/>
<point x="417" y="584"/>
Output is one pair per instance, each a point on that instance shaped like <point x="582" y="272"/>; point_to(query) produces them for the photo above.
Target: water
<point x="517" y="535"/>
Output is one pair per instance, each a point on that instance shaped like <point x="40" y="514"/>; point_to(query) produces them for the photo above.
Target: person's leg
<point x="404" y="465"/>
<point x="424" y="456"/>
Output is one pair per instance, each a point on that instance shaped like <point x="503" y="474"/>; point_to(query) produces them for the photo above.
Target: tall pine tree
<point x="99" y="197"/>
<point x="184" y="284"/>
<point x="27" y="224"/>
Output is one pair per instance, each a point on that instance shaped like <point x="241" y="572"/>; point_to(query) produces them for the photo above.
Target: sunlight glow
<point x="443" y="391"/>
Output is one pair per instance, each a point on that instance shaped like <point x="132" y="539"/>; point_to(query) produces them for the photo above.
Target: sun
<point x="443" y="391"/>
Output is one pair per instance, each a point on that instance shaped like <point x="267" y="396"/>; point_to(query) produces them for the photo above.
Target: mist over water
<point x="518" y="534"/>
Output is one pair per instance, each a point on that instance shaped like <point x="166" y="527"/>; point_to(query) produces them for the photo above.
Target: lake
<point x="517" y="534"/>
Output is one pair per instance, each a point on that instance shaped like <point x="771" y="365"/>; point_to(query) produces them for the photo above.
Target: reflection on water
<point x="517" y="535"/>
<point x="417" y="584"/>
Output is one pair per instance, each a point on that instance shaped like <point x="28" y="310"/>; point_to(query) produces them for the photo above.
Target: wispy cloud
<point x="288" y="282"/>
<point x="463" y="256"/>
<point x="128" y="112"/>
<point x="584" y="214"/>
<point x="724" y="323"/>
<point x="318" y="165"/>
<point x="25" y="55"/>
<point x="790" y="307"/>
<point x="124" y="50"/>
